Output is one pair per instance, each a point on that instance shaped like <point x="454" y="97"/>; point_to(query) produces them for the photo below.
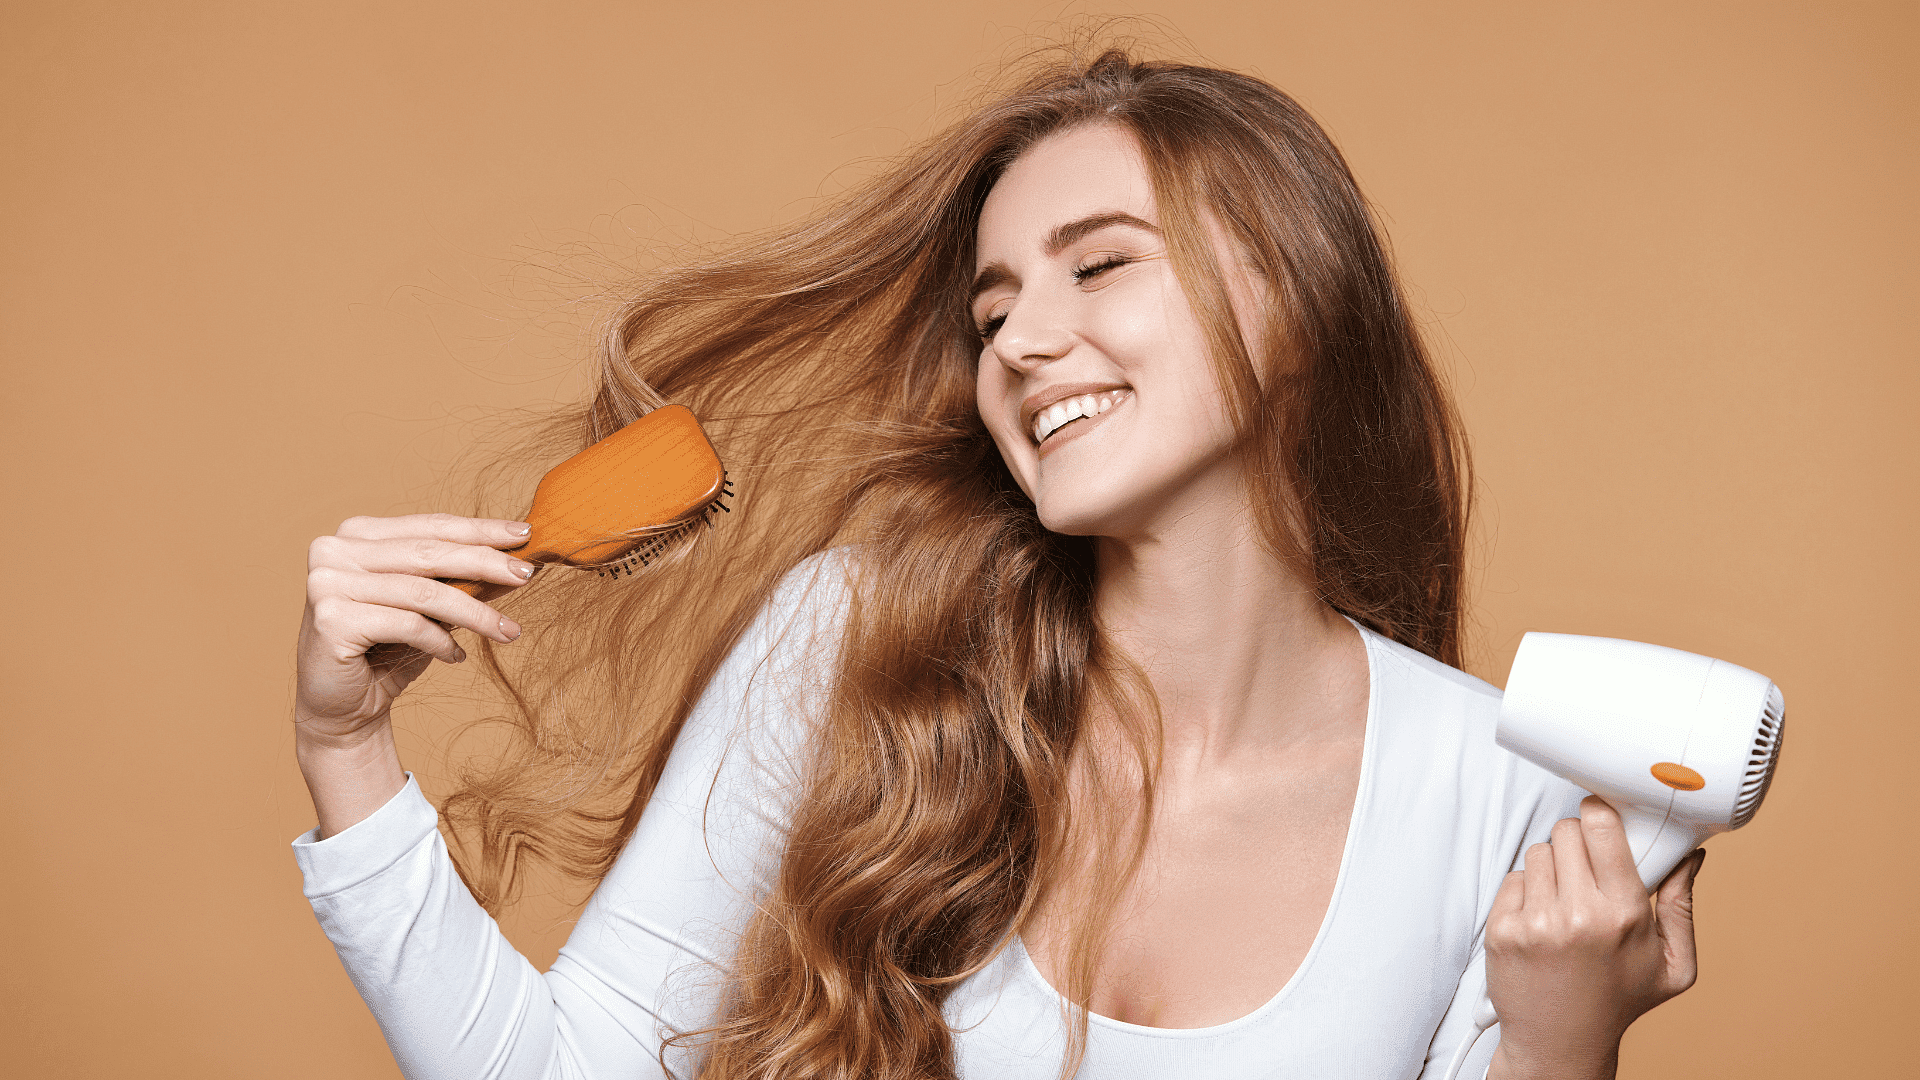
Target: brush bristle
<point x="657" y="545"/>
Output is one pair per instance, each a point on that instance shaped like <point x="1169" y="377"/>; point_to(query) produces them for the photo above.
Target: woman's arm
<point x="456" y="1000"/>
<point x="453" y="997"/>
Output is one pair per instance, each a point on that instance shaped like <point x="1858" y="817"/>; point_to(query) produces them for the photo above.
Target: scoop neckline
<point x="1361" y="798"/>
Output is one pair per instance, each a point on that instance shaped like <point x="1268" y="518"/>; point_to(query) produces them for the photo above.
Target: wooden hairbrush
<point x="620" y="503"/>
<point x="615" y="506"/>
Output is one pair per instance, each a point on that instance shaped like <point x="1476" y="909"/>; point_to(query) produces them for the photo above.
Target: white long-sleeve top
<point x="1440" y="816"/>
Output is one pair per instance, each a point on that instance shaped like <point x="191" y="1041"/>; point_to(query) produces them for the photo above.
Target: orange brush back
<point x="658" y="470"/>
<point x="620" y="502"/>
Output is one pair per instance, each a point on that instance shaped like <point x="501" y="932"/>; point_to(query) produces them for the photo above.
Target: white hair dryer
<point x="1682" y="746"/>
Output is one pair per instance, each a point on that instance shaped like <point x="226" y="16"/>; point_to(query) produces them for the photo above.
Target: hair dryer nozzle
<point x="1683" y="746"/>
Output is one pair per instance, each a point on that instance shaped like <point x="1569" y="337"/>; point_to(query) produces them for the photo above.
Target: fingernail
<point x="524" y="569"/>
<point x="519" y="528"/>
<point x="508" y="628"/>
<point x="459" y="655"/>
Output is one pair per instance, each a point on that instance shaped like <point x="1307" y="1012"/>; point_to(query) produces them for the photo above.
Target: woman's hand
<point x="1575" y="953"/>
<point x="371" y="584"/>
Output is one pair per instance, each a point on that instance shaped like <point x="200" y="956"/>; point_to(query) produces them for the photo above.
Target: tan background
<point x="265" y="264"/>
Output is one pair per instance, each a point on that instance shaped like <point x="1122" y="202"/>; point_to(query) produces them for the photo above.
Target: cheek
<point x="1166" y="356"/>
<point x="992" y="388"/>
<point x="1146" y="328"/>
<point x="989" y="389"/>
<point x="983" y="382"/>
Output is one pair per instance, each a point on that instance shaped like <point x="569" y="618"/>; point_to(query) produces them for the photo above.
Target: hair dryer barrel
<point x="1683" y="746"/>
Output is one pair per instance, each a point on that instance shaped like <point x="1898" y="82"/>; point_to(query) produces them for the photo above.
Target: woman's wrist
<point x="349" y="779"/>
<point x="1519" y="1061"/>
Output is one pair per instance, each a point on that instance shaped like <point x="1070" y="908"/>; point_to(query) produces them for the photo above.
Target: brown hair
<point x="832" y="362"/>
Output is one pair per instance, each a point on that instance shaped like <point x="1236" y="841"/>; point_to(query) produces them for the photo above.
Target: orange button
<point x="1675" y="775"/>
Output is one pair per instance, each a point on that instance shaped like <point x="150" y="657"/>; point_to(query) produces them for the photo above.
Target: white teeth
<point x="1055" y="416"/>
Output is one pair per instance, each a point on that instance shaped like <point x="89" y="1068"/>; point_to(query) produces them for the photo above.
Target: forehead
<point x="1064" y="177"/>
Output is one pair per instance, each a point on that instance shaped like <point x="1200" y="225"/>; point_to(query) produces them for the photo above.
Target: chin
<point x="1069" y="522"/>
<point x="1081" y="512"/>
<point x="1126" y="495"/>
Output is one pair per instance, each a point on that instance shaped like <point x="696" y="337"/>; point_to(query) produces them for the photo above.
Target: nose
<point x="1036" y="331"/>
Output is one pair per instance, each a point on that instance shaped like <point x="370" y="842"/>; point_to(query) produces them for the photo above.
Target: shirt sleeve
<point x="650" y="951"/>
<point x="1531" y="799"/>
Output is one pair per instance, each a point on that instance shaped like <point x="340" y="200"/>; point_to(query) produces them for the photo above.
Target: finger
<point x="1608" y="853"/>
<point x="1506" y="924"/>
<point x="1510" y="899"/>
<point x="492" y="532"/>
<point x="402" y="663"/>
<point x="391" y="626"/>
<point x="1673" y="918"/>
<point x="348" y="629"/>
<point x="433" y="599"/>
<point x="1542" y="885"/>
<point x="419" y="556"/>
<point x="1572" y="865"/>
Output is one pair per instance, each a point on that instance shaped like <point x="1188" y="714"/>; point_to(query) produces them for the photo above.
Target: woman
<point x="1073" y="692"/>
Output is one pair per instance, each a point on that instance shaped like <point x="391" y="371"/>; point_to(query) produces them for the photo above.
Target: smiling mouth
<point x="1050" y="420"/>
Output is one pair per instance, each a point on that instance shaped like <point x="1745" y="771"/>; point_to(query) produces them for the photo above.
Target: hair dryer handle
<point x="1659" y="844"/>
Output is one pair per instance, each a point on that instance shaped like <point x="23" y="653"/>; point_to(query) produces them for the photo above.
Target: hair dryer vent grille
<point x="1761" y="760"/>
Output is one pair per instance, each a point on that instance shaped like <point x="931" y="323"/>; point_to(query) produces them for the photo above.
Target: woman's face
<point x="1094" y="377"/>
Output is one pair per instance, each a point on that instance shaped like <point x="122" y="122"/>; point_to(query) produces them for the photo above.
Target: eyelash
<point x="1080" y="275"/>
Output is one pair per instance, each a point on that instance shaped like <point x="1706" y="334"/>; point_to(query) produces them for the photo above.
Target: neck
<point x="1241" y="652"/>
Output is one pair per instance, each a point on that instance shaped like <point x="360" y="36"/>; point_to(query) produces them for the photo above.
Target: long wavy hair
<point x="833" y="364"/>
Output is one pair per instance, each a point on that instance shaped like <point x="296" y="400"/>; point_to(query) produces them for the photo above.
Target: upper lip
<point x="1040" y="399"/>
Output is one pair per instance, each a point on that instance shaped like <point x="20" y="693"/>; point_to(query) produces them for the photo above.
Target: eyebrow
<point x="997" y="273"/>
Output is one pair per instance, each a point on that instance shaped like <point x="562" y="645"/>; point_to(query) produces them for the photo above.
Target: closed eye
<point x="1082" y="273"/>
